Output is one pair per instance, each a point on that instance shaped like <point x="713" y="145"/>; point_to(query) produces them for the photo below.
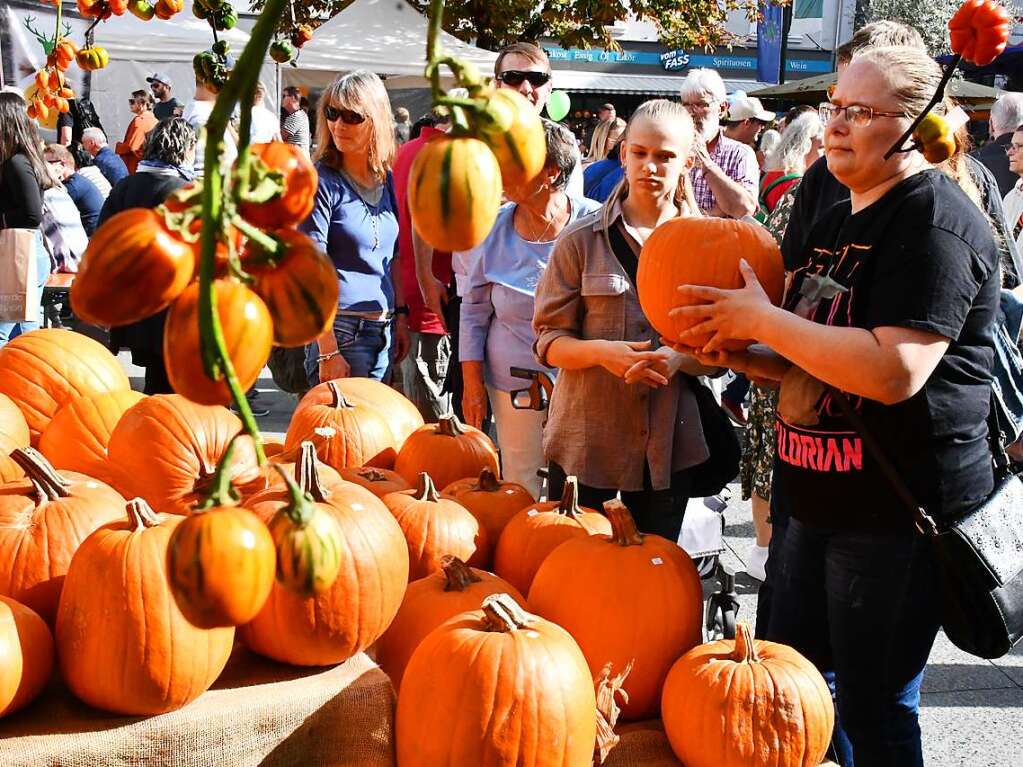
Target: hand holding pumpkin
<point x="759" y="363"/>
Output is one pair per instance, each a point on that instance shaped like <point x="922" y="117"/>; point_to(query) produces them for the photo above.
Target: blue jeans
<point x="864" y="606"/>
<point x="11" y="330"/>
<point x="365" y="345"/>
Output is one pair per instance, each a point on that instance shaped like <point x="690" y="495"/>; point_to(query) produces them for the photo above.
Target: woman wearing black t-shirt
<point x="894" y="306"/>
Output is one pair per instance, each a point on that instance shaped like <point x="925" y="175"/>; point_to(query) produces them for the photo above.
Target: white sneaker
<point x="756" y="564"/>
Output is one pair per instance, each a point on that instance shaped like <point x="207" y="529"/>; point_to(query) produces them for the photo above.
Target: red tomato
<point x="300" y="183"/>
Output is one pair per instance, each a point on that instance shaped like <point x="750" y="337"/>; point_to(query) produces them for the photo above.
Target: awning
<point x="813" y="90"/>
<point x="579" y="81"/>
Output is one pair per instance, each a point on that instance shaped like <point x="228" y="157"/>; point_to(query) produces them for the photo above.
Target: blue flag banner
<point x="769" y="32"/>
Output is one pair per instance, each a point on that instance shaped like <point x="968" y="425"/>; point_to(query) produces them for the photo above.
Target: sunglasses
<point x="347" y="116"/>
<point x="515" y="78"/>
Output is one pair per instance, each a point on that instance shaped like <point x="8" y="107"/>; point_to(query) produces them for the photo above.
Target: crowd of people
<point x="896" y="270"/>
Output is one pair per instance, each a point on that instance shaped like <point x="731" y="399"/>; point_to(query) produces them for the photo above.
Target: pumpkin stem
<point x="141" y="514"/>
<point x="425" y="489"/>
<point x="300" y="508"/>
<point x="372" y="475"/>
<point x="623" y="526"/>
<point x="222" y="492"/>
<point x="48" y="484"/>
<point x="502" y="613"/>
<point x="488" y="482"/>
<point x="569" y="504"/>
<point x="337" y="397"/>
<point x="450" y="426"/>
<point x="745" y="649"/>
<point x="459" y="576"/>
<point x="307" y="475"/>
<point x="609" y="689"/>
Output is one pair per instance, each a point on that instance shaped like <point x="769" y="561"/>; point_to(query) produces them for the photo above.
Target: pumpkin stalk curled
<point x="501" y="613"/>
<point x="141" y="514"/>
<point x="48" y="484"/>
<point x="623" y="526"/>
<point x="458" y="576"/>
<point x="425" y="489"/>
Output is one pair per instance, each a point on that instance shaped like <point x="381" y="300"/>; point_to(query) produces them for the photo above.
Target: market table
<point x="258" y="713"/>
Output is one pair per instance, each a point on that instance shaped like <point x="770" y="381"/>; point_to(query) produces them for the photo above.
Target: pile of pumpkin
<point x="103" y="539"/>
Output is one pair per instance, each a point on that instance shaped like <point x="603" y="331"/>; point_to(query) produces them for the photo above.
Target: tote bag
<point x="18" y="278"/>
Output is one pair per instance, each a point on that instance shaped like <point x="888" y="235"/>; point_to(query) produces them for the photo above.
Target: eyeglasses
<point x="701" y="106"/>
<point x="855" y="114"/>
<point x="347" y="116"/>
<point x="515" y="78"/>
<point x="1013" y="148"/>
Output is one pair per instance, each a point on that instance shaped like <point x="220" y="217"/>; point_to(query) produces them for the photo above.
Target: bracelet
<point x="328" y="356"/>
<point x="400" y="310"/>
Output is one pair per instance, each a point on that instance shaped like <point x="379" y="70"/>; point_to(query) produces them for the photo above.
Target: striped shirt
<point x="295" y="129"/>
<point x="738" y="161"/>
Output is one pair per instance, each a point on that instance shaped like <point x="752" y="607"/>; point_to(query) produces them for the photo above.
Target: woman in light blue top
<point x="496" y="326"/>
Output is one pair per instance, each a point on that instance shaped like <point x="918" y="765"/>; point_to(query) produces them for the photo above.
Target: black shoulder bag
<point x="979" y="556"/>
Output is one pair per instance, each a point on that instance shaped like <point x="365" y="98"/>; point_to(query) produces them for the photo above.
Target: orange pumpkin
<point x="537" y="530"/>
<point x="79" y="433"/>
<point x="295" y="202"/>
<point x="44" y="369"/>
<point x="380" y="482"/>
<point x="272" y="446"/>
<point x="133" y="268"/>
<point x="480" y="690"/>
<point x="491" y="500"/>
<point x="582" y="584"/>
<point x="741" y="701"/>
<point x="430" y="601"/>
<point x="703" y="251"/>
<point x="447" y="450"/>
<point x="436" y="526"/>
<point x="166" y="449"/>
<point x="43" y="519"/>
<point x="360" y="435"/>
<point x="117" y="612"/>
<point x="12" y="423"/>
<point x="516" y="137"/>
<point x="248" y="337"/>
<point x="288" y="461"/>
<point x="348" y="617"/>
<point x="26" y="655"/>
<point x="9" y="470"/>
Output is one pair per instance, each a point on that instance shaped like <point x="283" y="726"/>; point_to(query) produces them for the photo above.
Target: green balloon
<point x="558" y="105"/>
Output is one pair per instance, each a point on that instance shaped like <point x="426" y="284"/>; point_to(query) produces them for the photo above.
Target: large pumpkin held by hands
<point x="703" y="251"/>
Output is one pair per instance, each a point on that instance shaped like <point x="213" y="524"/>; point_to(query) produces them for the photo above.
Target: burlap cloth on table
<point x="258" y="713"/>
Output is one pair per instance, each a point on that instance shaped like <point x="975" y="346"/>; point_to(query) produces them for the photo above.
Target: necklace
<point x="550" y="223"/>
<point x="365" y="195"/>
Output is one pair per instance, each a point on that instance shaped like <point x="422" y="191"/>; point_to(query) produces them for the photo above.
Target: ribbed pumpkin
<point x="703" y="251"/>
<point x="378" y="481"/>
<point x="12" y="423"/>
<point x="534" y="532"/>
<point x="363" y="600"/>
<point x="402" y="416"/>
<point x="360" y="437"/>
<point x="644" y="585"/>
<point x="744" y="701"/>
<point x="43" y="519"/>
<point x="43" y="370"/>
<point x="454" y="589"/>
<point x="448" y="450"/>
<point x="9" y="470"/>
<point x="516" y="137"/>
<point x="491" y="500"/>
<point x="481" y="689"/>
<point x="272" y="446"/>
<point x="26" y="655"/>
<point x="220" y="559"/>
<point x="454" y="192"/>
<point x="288" y="460"/>
<point x="248" y="336"/>
<point x="166" y="449"/>
<point x="434" y="526"/>
<point x="122" y="643"/>
<point x="79" y="433"/>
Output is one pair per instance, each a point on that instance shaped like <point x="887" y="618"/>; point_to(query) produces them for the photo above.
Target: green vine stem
<point x="222" y="492"/>
<point x="241" y="84"/>
<point x="462" y="109"/>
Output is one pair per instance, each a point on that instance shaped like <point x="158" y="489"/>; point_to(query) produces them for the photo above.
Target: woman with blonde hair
<point x="621" y="416"/>
<point x="355" y="220"/>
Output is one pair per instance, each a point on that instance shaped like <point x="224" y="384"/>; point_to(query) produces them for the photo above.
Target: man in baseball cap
<point x="166" y="105"/>
<point x="746" y="118"/>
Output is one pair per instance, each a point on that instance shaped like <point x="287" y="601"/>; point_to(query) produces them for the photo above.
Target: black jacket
<point x="993" y="157"/>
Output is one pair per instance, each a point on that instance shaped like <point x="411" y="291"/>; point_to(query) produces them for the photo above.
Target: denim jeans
<point x="864" y="606"/>
<point x="11" y="330"/>
<point x="365" y="345"/>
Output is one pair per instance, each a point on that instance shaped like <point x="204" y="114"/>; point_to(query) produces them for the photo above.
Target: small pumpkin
<point x="166" y="449"/>
<point x="378" y="481"/>
<point x="360" y="435"/>
<point x="535" y="531"/>
<point x="79" y="433"/>
<point x="13" y="426"/>
<point x="220" y="559"/>
<point x="516" y="136"/>
<point x="491" y="500"/>
<point x="43" y="520"/>
<point x="133" y="268"/>
<point x="248" y="337"/>
<point x="479" y="690"/>
<point x="703" y="251"/>
<point x="580" y="586"/>
<point x="44" y="369"/>
<point x="26" y="655"/>
<point x="117" y="612"/>
<point x="435" y="526"/>
<point x="749" y="702"/>
<point x="296" y="200"/>
<point x="454" y="588"/>
<point x="448" y="451"/>
<point x="454" y="192"/>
